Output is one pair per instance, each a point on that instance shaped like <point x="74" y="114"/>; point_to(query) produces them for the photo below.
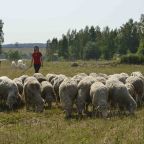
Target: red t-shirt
<point x="37" y="57"/>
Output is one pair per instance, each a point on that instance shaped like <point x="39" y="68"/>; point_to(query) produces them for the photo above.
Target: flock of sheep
<point x="95" y="93"/>
<point x="19" y="64"/>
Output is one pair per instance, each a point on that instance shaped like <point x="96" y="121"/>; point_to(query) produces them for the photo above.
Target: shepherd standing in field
<point x="36" y="61"/>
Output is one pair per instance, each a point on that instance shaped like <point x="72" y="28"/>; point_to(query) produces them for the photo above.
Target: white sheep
<point x="68" y="92"/>
<point x="99" y="98"/>
<point x="23" y="77"/>
<point x="40" y="77"/>
<point x="56" y="84"/>
<point x="79" y="77"/>
<point x="138" y="85"/>
<point x="13" y="65"/>
<point x="83" y="98"/>
<point x="21" y="64"/>
<point x="137" y="73"/>
<point x="119" y="96"/>
<point x="50" y="76"/>
<point x="103" y="75"/>
<point x="100" y="79"/>
<point x="47" y="92"/>
<point x="121" y="77"/>
<point x="98" y="75"/>
<point x="9" y="92"/>
<point x="20" y="61"/>
<point x="32" y="94"/>
<point x="19" y="83"/>
<point x="131" y="90"/>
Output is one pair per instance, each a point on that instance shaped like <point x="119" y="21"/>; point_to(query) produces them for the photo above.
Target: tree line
<point x="96" y="43"/>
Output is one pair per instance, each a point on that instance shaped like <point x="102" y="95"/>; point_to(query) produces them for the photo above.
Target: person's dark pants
<point x="37" y="67"/>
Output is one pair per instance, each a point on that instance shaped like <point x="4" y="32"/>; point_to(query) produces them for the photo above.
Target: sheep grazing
<point x="99" y="98"/>
<point x="32" y="95"/>
<point x="100" y="79"/>
<point x="19" y="83"/>
<point x="79" y="77"/>
<point x="21" y="64"/>
<point x="138" y="85"/>
<point x="56" y="83"/>
<point x="103" y="75"/>
<point x="98" y="75"/>
<point x="20" y="61"/>
<point x="93" y="74"/>
<point x="119" y="96"/>
<point x="131" y="90"/>
<point x="58" y="78"/>
<point x="47" y="93"/>
<point x="121" y="77"/>
<point x="40" y="77"/>
<point x="68" y="92"/>
<point x="9" y="93"/>
<point x="137" y="73"/>
<point x="13" y="65"/>
<point x="83" y="98"/>
<point x="23" y="77"/>
<point x="49" y="77"/>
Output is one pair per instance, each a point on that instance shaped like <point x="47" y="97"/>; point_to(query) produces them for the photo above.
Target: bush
<point x="132" y="59"/>
<point x="13" y="55"/>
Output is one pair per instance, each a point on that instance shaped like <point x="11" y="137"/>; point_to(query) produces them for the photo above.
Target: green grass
<point x="50" y="127"/>
<point x="65" y="68"/>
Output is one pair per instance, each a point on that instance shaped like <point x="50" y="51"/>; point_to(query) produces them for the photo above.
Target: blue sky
<point x="40" y="20"/>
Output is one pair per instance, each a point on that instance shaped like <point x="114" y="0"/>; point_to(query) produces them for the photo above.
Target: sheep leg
<point x="94" y="112"/>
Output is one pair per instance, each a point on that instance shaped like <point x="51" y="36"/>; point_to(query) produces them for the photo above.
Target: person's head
<point x="36" y="48"/>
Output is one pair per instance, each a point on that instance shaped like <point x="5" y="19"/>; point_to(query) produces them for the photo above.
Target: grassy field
<point x="50" y="127"/>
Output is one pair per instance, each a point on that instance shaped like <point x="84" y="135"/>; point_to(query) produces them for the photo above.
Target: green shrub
<point x="13" y="55"/>
<point x="132" y="59"/>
